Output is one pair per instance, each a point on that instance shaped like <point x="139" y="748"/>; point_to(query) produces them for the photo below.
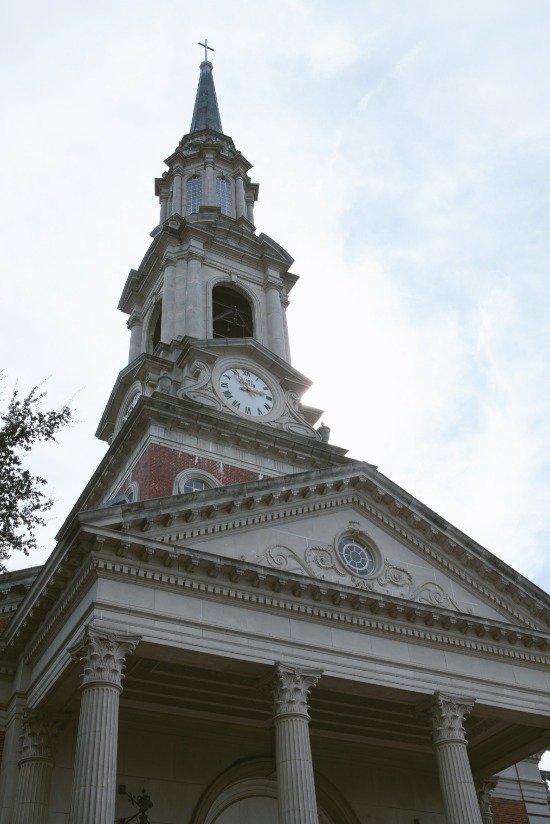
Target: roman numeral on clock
<point x="228" y="394"/>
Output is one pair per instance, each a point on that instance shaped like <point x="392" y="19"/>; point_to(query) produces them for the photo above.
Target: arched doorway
<point x="246" y="793"/>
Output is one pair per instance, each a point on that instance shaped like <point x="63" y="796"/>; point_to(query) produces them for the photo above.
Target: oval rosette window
<point x="356" y="556"/>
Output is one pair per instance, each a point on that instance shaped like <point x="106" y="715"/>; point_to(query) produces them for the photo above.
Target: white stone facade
<point x="305" y="644"/>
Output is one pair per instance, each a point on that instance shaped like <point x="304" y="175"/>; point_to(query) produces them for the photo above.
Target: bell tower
<point x="209" y="395"/>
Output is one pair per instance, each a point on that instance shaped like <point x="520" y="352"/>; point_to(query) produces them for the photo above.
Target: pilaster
<point x="194" y="304"/>
<point x="176" y="200"/>
<point x="296" y="786"/>
<point x="94" y="783"/>
<point x="449" y="742"/>
<point x="168" y="301"/>
<point x="210" y="191"/>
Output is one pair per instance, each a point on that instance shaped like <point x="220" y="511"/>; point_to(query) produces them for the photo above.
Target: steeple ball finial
<point x="206" y="114"/>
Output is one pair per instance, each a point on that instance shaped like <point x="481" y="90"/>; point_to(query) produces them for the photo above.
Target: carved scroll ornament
<point x="318" y="560"/>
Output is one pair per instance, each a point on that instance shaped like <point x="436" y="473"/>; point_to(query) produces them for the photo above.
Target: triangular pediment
<point x="296" y="528"/>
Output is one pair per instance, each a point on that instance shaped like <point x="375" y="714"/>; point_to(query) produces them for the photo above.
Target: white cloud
<point x="417" y="218"/>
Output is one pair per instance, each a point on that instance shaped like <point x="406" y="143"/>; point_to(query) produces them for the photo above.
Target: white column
<point x="168" y="302"/>
<point x="240" y="197"/>
<point x="275" y="325"/>
<point x="10" y="758"/>
<point x="179" y="298"/>
<point x="250" y="209"/>
<point x="194" y="304"/>
<point x="163" y="207"/>
<point x="295" y="782"/>
<point x="38" y="744"/>
<point x="210" y="191"/>
<point x="455" y="775"/>
<point x="184" y="181"/>
<point x="176" y="200"/>
<point x="135" y="325"/>
<point x="94" y="778"/>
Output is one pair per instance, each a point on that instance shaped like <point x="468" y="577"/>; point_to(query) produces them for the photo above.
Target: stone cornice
<point x="312" y="492"/>
<point x="124" y="531"/>
<point x="150" y="563"/>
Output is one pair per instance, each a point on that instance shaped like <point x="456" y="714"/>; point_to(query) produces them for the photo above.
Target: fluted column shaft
<point x="450" y="747"/>
<point x="38" y="742"/>
<point x="94" y="779"/>
<point x="10" y="761"/>
<point x="295" y="781"/>
<point x="33" y="792"/>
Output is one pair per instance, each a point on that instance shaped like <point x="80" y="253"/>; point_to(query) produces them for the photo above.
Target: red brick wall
<point x="3" y="624"/>
<point x="159" y="465"/>
<point x="509" y="811"/>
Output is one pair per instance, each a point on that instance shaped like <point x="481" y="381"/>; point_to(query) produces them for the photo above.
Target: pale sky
<point x="403" y="155"/>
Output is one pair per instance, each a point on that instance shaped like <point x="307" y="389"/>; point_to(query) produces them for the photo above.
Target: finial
<point x="324" y="432"/>
<point x="207" y="48"/>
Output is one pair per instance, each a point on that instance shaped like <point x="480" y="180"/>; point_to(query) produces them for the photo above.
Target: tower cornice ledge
<point x="232" y="238"/>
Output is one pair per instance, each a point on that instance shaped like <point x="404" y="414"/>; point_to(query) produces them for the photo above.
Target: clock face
<point x="246" y="393"/>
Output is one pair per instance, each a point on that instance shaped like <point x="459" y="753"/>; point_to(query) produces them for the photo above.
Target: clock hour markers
<point x="239" y="387"/>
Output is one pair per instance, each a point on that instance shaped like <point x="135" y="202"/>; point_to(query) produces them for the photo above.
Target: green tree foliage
<point x="23" y="501"/>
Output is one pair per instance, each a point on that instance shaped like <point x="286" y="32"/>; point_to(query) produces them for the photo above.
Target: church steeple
<point x="206" y="114"/>
<point x="209" y="385"/>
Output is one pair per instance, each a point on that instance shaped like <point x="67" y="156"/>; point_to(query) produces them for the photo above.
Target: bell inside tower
<point x="231" y="314"/>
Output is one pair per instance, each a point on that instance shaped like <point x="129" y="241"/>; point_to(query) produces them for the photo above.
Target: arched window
<point x="191" y="480"/>
<point x="132" y="492"/>
<point x="194" y="194"/>
<point x="154" y="327"/>
<point x="223" y="195"/>
<point x="231" y="314"/>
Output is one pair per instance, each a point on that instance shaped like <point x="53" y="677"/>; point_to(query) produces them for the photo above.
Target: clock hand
<point x="239" y="377"/>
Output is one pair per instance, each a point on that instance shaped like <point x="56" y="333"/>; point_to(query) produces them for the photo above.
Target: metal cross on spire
<point x="207" y="48"/>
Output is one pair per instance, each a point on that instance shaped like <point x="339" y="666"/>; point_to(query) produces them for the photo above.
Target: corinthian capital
<point x="484" y="788"/>
<point x="448" y="713"/>
<point x="38" y="737"/>
<point x="290" y="687"/>
<point x="103" y="655"/>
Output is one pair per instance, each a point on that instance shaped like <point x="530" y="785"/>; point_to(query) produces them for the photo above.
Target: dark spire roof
<point x="206" y="114"/>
